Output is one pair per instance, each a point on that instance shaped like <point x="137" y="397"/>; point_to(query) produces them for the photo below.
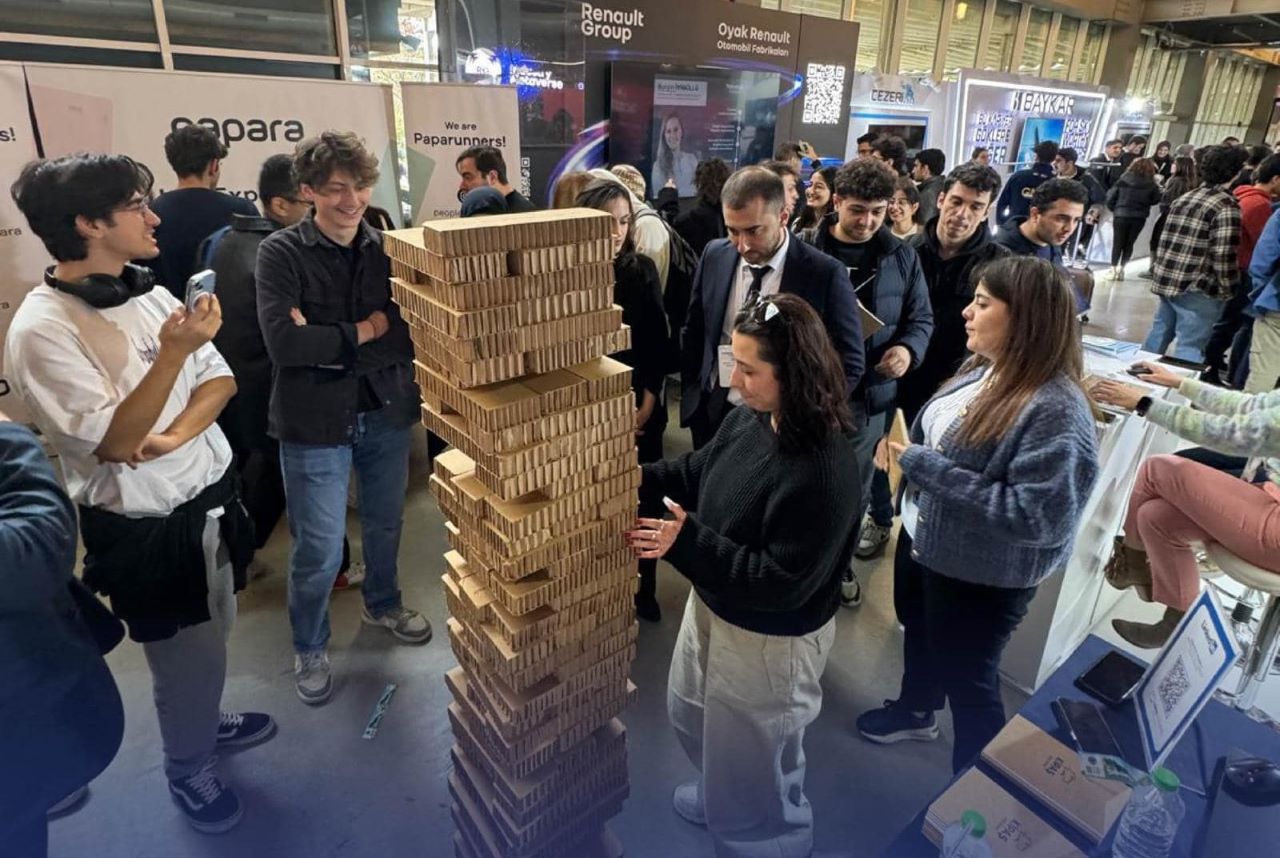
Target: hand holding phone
<point x="200" y="283"/>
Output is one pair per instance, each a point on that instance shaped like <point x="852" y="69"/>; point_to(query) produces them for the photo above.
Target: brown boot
<point x="1127" y="568"/>
<point x="1149" y="636"/>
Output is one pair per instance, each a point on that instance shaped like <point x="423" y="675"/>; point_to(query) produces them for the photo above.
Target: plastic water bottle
<point x="1150" y="819"/>
<point x="966" y="838"/>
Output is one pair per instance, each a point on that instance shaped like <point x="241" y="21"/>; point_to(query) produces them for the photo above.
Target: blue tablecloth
<point x="1218" y="730"/>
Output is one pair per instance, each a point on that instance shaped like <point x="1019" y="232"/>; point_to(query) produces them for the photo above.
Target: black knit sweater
<point x="768" y="533"/>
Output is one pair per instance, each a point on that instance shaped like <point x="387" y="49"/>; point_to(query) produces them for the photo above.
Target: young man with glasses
<point x="885" y="276"/>
<point x="124" y="382"/>
<point x="342" y="398"/>
<point x="195" y="208"/>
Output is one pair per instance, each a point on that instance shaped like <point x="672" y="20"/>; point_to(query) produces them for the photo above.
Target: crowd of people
<point x="800" y="308"/>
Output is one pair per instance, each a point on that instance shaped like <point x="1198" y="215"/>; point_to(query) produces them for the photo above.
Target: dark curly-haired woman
<point x="762" y="529"/>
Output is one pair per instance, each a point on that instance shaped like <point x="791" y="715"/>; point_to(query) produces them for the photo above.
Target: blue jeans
<point x="1188" y="318"/>
<point x="315" y="485"/>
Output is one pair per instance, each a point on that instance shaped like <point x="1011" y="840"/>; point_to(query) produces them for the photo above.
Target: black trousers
<point x="261" y="488"/>
<point x="1125" y="232"/>
<point x="649" y="449"/>
<point x="1228" y="464"/>
<point x="1225" y="329"/>
<point x="1157" y="230"/>
<point x="954" y="635"/>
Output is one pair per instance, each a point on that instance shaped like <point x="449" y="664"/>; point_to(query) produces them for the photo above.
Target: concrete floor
<point x="317" y="789"/>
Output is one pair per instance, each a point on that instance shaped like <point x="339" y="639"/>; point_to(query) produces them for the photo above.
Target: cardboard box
<point x="1013" y="831"/>
<point x="462" y="237"/>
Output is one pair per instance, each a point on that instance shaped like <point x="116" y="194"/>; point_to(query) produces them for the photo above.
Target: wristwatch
<point x="1141" y="408"/>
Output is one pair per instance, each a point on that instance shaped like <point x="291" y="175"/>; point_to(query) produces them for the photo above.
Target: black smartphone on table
<point x="1111" y="679"/>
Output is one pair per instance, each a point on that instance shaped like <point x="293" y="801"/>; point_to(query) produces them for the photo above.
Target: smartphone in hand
<point x="200" y="283"/>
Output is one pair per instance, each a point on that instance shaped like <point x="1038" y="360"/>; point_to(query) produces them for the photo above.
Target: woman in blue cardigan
<point x="999" y="468"/>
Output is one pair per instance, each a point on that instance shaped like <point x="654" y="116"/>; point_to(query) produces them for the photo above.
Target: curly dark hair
<point x="709" y="178"/>
<point x="815" y="398"/>
<point x="976" y="177"/>
<point x="316" y="159"/>
<point x="191" y="149"/>
<point x="53" y="193"/>
<point x="1220" y="164"/>
<point x="865" y="179"/>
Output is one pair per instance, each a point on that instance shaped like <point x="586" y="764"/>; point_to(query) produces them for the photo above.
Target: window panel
<point x="282" y="26"/>
<point x="118" y="21"/>
<point x="1063" y="47"/>
<point x="1004" y="25"/>
<point x="920" y="37"/>
<point x="411" y="38"/>
<point x="1034" y="46"/>
<point x="818" y="8"/>
<point x="870" y="16"/>
<point x="1089" y="58"/>
<point x="962" y="46"/>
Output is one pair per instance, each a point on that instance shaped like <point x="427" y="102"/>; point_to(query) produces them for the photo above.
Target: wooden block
<point x="543" y="260"/>
<point x="462" y="237"/>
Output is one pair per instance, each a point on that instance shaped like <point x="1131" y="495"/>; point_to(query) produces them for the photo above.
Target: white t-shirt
<point x="934" y="422"/>
<point x="73" y="365"/>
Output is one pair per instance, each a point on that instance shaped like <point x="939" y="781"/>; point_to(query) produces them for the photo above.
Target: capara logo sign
<point x="232" y="130"/>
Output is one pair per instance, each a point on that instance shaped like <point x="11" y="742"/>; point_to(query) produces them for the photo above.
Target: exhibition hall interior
<point x="564" y="429"/>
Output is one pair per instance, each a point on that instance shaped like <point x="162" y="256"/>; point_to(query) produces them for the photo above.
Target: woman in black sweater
<point x="1131" y="199"/>
<point x="637" y="290"/>
<point x="765" y="538"/>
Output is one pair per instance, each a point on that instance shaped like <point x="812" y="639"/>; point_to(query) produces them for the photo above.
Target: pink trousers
<point x="1176" y="502"/>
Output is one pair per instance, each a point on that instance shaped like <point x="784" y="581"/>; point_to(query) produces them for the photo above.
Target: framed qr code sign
<point x="1183" y="677"/>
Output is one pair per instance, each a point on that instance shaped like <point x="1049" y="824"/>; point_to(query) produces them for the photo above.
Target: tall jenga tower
<point x="511" y="318"/>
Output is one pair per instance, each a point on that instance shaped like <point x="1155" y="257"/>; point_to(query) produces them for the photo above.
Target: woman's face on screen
<point x="672" y="132"/>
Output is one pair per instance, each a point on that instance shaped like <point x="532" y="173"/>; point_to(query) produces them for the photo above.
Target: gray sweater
<point x="1005" y="514"/>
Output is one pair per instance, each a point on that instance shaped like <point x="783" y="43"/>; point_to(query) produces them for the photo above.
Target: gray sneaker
<point x="312" y="677"/>
<point x="405" y="623"/>
<point x="872" y="539"/>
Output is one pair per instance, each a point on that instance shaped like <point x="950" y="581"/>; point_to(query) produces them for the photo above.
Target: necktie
<point x="758" y="274"/>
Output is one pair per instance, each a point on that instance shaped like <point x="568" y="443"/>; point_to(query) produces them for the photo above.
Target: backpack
<point x="682" y="262"/>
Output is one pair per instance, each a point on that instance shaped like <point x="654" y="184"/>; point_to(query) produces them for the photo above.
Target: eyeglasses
<point x="142" y="207"/>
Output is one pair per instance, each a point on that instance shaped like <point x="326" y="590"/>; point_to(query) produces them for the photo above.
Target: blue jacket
<point x="899" y="298"/>
<point x="62" y="716"/>
<point x="1264" y="269"/>
<point x="1005" y="514"/>
<point x="806" y="273"/>
<point x="1015" y="199"/>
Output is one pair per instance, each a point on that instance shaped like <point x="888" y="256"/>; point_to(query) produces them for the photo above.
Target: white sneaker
<point x="850" y="590"/>
<point x="687" y="803"/>
<point x="312" y="677"/>
<point x="871" y="539"/>
<point x="406" y="624"/>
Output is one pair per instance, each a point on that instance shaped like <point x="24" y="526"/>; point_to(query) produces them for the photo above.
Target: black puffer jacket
<point x="1133" y="196"/>
<point x="951" y="283"/>
<point x="899" y="298"/>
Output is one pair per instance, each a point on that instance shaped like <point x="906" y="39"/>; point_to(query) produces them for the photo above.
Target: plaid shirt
<point x="1197" y="250"/>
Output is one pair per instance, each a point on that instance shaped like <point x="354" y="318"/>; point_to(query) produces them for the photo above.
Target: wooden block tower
<point x="511" y="317"/>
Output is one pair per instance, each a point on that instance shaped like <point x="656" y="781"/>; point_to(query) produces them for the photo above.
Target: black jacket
<point x="1010" y="236"/>
<point x="1107" y="172"/>
<point x="318" y="367"/>
<point x="1133" y="196"/>
<point x="700" y="225"/>
<point x="63" y="720"/>
<point x="1097" y="193"/>
<point x="1015" y="199"/>
<point x="637" y="291"/>
<point x="899" y="298"/>
<point x="806" y="273"/>
<point x="951" y="283"/>
<point x="239" y="340"/>
<point x="929" y="191"/>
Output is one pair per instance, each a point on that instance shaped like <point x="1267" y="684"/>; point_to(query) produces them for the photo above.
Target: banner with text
<point x="441" y="120"/>
<point x="22" y="256"/>
<point x="130" y="111"/>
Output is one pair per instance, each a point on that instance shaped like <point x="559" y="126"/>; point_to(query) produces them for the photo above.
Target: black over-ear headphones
<point x="103" y="290"/>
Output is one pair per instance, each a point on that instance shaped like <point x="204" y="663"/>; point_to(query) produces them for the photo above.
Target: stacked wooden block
<point x="512" y="317"/>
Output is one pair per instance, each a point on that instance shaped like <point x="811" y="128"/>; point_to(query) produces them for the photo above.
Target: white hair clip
<point x="770" y="310"/>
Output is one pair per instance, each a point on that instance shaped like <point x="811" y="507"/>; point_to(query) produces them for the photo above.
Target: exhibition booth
<point x="917" y="109"/>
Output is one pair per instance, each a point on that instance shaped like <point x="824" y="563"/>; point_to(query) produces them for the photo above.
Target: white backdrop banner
<point x="442" y="119"/>
<point x="129" y="112"/>
<point x="22" y="256"/>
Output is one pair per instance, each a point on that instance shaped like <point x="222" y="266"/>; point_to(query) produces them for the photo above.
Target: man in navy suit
<point x="759" y="258"/>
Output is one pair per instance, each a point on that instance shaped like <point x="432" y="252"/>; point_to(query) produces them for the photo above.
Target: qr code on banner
<point x="1174" y="686"/>
<point x="823" y="88"/>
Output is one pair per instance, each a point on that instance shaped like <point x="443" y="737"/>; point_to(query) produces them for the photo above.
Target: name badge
<point x="726" y="363"/>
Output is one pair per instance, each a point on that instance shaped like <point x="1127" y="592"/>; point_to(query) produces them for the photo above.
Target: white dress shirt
<point x="770" y="285"/>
